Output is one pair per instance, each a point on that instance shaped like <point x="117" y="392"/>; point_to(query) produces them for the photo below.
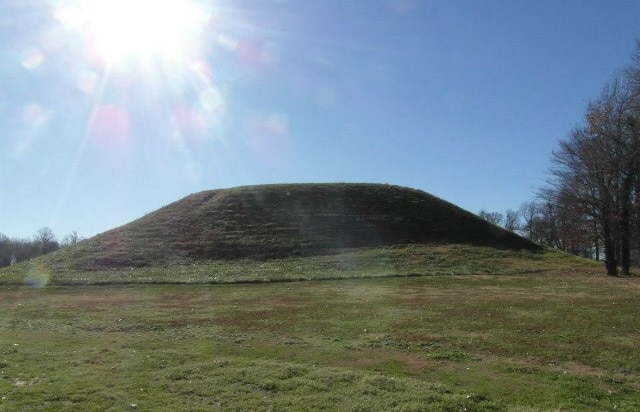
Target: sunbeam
<point x="119" y="31"/>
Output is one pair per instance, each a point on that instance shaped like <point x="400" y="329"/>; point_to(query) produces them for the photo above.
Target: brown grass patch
<point x="368" y="358"/>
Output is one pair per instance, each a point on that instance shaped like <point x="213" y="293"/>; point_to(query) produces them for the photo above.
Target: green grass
<point x="563" y="340"/>
<point x="395" y="261"/>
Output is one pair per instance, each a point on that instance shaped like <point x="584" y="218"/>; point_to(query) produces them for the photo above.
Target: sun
<point x="142" y="30"/>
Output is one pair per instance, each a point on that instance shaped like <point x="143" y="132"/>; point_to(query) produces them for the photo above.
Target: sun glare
<point x="121" y="30"/>
<point x="144" y="65"/>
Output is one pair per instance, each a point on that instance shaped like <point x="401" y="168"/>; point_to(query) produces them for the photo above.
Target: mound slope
<point x="274" y="221"/>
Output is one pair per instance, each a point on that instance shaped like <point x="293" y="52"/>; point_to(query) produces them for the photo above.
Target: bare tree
<point x="512" y="220"/>
<point x="6" y="251"/>
<point x="596" y="169"/>
<point x="495" y="218"/>
<point x="530" y="220"/>
<point x="14" y="250"/>
<point x="71" y="239"/>
<point x="45" y="241"/>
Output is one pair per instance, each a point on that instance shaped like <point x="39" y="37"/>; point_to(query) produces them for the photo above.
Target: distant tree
<point x="5" y="250"/>
<point x="530" y="220"/>
<point x="578" y="221"/>
<point x="512" y="220"/>
<point x="71" y="239"/>
<point x="45" y="241"/>
<point x="548" y="224"/>
<point x="542" y="221"/>
<point x="495" y="218"/>
<point x="17" y="250"/>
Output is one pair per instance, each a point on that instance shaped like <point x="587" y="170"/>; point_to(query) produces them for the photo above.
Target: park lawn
<point x="552" y="341"/>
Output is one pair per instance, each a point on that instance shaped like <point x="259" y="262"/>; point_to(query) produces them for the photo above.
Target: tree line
<point x="13" y="250"/>
<point x="591" y="203"/>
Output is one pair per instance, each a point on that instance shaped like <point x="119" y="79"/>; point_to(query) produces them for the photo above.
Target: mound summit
<point x="285" y="220"/>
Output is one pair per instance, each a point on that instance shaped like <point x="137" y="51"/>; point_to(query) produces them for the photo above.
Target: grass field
<point x="555" y="340"/>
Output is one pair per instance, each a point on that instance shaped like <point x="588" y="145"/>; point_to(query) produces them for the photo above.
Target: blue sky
<point x="462" y="99"/>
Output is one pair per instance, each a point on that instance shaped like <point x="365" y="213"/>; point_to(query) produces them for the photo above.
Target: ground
<point x="564" y="340"/>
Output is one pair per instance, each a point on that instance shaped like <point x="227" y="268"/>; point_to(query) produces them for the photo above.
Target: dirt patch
<point x="413" y="362"/>
<point x="533" y="364"/>
<point x="88" y="302"/>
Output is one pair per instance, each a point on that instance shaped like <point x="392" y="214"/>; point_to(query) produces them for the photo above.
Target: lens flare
<point x="109" y="126"/>
<point x="38" y="276"/>
<point x="32" y="58"/>
<point x="143" y="30"/>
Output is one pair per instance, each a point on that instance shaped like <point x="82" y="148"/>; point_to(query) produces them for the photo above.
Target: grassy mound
<point x="292" y="232"/>
<point x="283" y="221"/>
